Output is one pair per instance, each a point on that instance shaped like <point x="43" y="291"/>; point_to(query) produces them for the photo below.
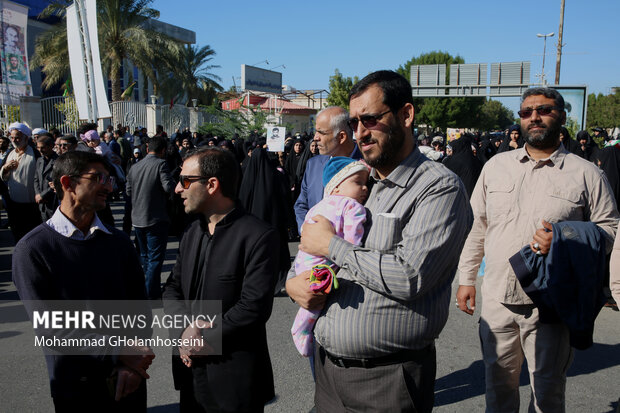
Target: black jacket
<point x="240" y="269"/>
<point x="42" y="178"/>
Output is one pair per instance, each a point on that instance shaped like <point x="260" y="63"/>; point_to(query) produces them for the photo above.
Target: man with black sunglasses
<point x="519" y="193"/>
<point x="375" y="337"/>
<point x="229" y="255"/>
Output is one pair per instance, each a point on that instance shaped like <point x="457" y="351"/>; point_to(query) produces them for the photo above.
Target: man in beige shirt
<point x="517" y="196"/>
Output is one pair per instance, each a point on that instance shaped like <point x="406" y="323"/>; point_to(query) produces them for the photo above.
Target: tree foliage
<point x="124" y="33"/>
<point x="225" y="123"/>
<point x="339" y="88"/>
<point x="431" y="58"/>
<point x="603" y="110"/>
<point x="189" y="77"/>
<point x="494" y="115"/>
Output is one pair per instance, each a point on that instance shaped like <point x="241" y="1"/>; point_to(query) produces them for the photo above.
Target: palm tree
<point x="190" y="75"/>
<point x="123" y="32"/>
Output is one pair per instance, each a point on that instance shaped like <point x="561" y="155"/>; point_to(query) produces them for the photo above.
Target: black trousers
<point x="97" y="399"/>
<point x="23" y="217"/>
<point x="402" y="387"/>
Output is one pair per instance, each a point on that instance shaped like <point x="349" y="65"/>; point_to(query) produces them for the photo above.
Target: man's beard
<point x="389" y="149"/>
<point x="548" y="138"/>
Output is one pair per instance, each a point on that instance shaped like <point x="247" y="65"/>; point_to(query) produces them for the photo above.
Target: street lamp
<point x="261" y="62"/>
<point x="544" y="36"/>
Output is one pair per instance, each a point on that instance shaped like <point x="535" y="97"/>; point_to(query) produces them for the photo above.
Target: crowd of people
<point x="385" y="219"/>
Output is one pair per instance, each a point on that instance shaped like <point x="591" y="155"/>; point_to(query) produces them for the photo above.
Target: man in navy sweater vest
<point x="62" y="259"/>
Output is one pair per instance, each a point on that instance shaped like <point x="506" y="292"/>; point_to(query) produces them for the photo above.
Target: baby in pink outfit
<point x="345" y="191"/>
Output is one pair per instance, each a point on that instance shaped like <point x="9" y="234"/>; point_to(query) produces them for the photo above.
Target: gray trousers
<point x="403" y="387"/>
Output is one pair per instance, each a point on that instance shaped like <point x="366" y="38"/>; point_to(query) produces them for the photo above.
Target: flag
<point x="126" y="95"/>
<point x="67" y="86"/>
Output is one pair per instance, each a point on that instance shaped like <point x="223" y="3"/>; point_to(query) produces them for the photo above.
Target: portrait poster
<point x="14" y="52"/>
<point x="454" y="134"/>
<point x="275" y="138"/>
<point x="576" y="104"/>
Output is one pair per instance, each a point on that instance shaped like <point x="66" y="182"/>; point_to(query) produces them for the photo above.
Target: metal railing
<point x="174" y="118"/>
<point x="60" y="112"/>
<point x="130" y="114"/>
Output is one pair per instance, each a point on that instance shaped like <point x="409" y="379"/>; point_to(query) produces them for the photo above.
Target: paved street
<point x="593" y="383"/>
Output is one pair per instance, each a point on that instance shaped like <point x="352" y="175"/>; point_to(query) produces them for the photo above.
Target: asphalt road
<point x="593" y="379"/>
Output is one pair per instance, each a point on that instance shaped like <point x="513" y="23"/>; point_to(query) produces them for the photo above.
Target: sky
<point x="313" y="39"/>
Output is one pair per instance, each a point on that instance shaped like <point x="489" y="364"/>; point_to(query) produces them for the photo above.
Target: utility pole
<point x="559" y="56"/>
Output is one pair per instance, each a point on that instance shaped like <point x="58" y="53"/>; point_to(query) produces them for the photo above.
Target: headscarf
<point x="505" y="146"/>
<point x="464" y="163"/>
<point x="486" y="149"/>
<point x="568" y="142"/>
<point x="292" y="160"/>
<point x="609" y="161"/>
<point x="588" y="150"/>
<point x="264" y="193"/>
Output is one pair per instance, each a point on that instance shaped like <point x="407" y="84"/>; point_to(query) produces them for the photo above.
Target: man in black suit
<point x="44" y="195"/>
<point x="231" y="256"/>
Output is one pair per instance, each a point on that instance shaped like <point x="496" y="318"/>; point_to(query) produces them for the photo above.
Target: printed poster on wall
<point x="275" y="138"/>
<point x="14" y="52"/>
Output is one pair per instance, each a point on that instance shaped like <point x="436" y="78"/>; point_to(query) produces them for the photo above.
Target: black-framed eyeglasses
<point x="100" y="178"/>
<point x="369" y="121"/>
<point x="543" y="110"/>
<point x="186" y="180"/>
<point x="64" y="144"/>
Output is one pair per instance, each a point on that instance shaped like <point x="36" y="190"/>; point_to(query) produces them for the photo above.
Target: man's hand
<point x="196" y="344"/>
<point x="139" y="359"/>
<point x="542" y="239"/>
<point x="298" y="288"/>
<point x="465" y="294"/>
<point x="185" y="356"/>
<point x="315" y="237"/>
<point x="127" y="383"/>
<point x="9" y="166"/>
<point x="38" y="198"/>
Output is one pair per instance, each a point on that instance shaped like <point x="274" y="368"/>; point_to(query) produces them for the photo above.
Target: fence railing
<point x="130" y="114"/>
<point x="175" y="117"/>
<point x="60" y="112"/>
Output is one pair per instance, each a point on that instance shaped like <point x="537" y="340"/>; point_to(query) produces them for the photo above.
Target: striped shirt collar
<point x="402" y="173"/>
<point x="61" y="224"/>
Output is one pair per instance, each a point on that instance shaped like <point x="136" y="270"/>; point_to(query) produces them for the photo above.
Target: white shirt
<point x="61" y="224"/>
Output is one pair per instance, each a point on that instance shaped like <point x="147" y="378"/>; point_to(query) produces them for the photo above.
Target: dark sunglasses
<point x="541" y="110"/>
<point x="369" y="121"/>
<point x="186" y="180"/>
